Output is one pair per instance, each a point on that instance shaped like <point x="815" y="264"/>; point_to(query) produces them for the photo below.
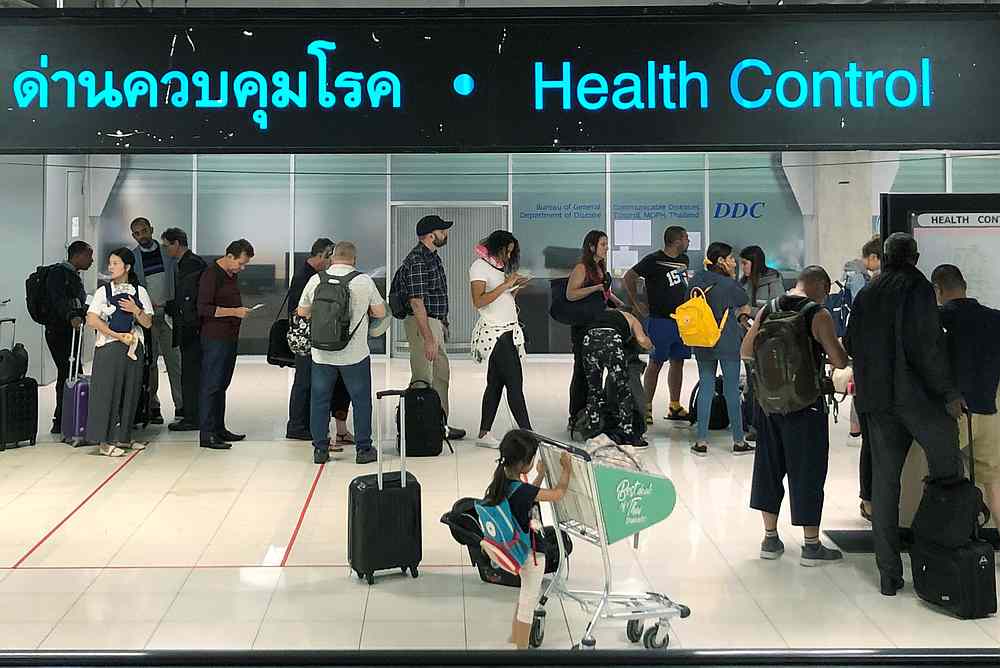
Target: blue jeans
<point x="730" y="389"/>
<point x="358" y="379"/>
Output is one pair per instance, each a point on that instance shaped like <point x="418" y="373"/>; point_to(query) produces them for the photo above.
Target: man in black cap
<point x="905" y="390"/>
<point x="422" y="282"/>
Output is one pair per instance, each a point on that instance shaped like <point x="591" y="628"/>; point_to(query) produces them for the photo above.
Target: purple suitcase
<point x="76" y="396"/>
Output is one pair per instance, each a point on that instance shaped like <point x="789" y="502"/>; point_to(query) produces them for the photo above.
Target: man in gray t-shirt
<point x="155" y="270"/>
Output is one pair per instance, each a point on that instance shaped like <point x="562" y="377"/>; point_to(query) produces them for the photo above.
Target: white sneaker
<point x="488" y="441"/>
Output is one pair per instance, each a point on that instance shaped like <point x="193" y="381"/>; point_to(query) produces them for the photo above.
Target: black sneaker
<point x="298" y="436"/>
<point x="700" y="449"/>
<point x="640" y="444"/>
<point x="743" y="449"/>
<point x="751" y="436"/>
<point x="321" y="455"/>
<point x="771" y="548"/>
<point x="156" y="419"/>
<point x="817" y="554"/>
<point x="366" y="456"/>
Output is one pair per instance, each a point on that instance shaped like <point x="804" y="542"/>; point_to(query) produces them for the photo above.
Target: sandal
<point x="138" y="446"/>
<point x="347" y="438"/>
<point x="677" y="414"/>
<point x="108" y="450"/>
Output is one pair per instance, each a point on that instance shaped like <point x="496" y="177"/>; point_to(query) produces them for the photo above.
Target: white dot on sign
<point x="248" y="33"/>
<point x="427" y="37"/>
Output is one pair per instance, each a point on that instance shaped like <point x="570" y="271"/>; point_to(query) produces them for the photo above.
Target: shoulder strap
<point x="107" y="291"/>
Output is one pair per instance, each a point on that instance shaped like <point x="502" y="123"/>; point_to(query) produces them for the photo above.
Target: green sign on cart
<point x="632" y="500"/>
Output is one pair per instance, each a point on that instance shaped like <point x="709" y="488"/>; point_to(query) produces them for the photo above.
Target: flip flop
<point x="347" y="438"/>
<point x="109" y="450"/>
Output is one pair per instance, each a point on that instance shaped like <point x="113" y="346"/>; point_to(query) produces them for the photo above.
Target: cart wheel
<point x="371" y="579"/>
<point x="634" y="630"/>
<point x="413" y="572"/>
<point x="650" y="639"/>
<point x="537" y="635"/>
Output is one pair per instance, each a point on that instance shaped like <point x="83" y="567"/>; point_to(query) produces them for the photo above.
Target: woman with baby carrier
<point x="730" y="308"/>
<point x="119" y="311"/>
<point x="497" y="338"/>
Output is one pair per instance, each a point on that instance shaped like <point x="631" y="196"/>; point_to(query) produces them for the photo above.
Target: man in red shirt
<point x="220" y="306"/>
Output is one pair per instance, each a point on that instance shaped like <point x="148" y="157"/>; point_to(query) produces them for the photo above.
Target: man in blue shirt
<point x="974" y="352"/>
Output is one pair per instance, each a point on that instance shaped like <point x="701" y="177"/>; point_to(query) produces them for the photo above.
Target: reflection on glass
<point x="342" y="197"/>
<point x="752" y="204"/>
<point x="919" y="173"/>
<point x="477" y="177"/>
<point x="975" y="174"/>
<point x="247" y="196"/>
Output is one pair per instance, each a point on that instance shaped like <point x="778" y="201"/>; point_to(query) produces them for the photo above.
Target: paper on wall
<point x="630" y="232"/>
<point x="694" y="241"/>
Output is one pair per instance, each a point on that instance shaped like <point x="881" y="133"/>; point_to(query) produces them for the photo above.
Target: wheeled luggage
<point x="13" y="360"/>
<point x="383" y="512"/>
<point x="425" y="421"/>
<point x="960" y="579"/>
<point x="18" y="405"/>
<point x="76" y="396"/>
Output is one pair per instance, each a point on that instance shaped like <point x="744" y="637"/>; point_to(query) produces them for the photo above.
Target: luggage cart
<point x="602" y="506"/>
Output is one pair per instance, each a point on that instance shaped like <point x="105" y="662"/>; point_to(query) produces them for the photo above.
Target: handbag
<point x="279" y="353"/>
<point x="299" y="337"/>
<point x="580" y="312"/>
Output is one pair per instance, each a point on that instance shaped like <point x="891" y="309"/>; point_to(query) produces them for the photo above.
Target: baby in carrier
<point x="511" y="522"/>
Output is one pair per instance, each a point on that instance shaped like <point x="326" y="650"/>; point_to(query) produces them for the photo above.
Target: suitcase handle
<point x="402" y="435"/>
<point x="75" y="354"/>
<point x="13" y="334"/>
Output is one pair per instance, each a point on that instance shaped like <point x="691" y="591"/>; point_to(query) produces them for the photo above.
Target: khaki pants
<point x="436" y="373"/>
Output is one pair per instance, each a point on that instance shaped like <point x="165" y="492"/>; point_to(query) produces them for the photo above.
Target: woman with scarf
<point x="497" y="338"/>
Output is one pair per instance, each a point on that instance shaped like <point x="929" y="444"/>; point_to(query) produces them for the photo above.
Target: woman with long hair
<point x="761" y="283"/>
<point x="589" y="277"/>
<point x="729" y="302"/>
<point x="119" y="312"/>
<point x="497" y="338"/>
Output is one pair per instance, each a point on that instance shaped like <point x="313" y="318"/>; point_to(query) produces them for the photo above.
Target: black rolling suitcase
<point x="383" y="513"/>
<point x="18" y="408"/>
<point x="962" y="579"/>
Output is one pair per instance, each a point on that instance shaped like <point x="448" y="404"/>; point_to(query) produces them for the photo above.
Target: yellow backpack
<point x="696" y="322"/>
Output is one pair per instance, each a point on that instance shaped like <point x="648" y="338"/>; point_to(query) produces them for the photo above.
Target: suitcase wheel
<point x="371" y="579"/>
<point x="413" y="571"/>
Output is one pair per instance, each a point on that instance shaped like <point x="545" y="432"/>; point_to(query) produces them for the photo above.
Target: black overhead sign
<point x="499" y="80"/>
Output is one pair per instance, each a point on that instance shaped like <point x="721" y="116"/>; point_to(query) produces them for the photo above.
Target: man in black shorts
<point x="797" y="445"/>
<point x="665" y="273"/>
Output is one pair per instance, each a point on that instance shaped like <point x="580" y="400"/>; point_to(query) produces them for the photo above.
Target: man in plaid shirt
<point x="423" y="281"/>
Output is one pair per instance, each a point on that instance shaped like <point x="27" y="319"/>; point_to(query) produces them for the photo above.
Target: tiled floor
<point x="183" y="548"/>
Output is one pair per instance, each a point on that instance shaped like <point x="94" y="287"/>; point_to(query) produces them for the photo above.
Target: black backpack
<point x="330" y="328"/>
<point x="37" y="295"/>
<point x="785" y="374"/>
<point x="397" y="297"/>
<point x="426" y="424"/>
<point x="719" y="417"/>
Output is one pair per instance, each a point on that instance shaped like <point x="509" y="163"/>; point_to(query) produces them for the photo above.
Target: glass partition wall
<point x="282" y="203"/>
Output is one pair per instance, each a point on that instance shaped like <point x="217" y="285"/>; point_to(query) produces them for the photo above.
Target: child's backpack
<point x="121" y="321"/>
<point x="503" y="539"/>
<point x="696" y="321"/>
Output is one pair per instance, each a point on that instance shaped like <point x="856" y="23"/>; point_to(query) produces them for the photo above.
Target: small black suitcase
<point x="961" y="580"/>
<point x="383" y="513"/>
<point x="18" y="413"/>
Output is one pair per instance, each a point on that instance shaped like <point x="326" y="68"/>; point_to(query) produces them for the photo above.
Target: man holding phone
<point x="220" y="306"/>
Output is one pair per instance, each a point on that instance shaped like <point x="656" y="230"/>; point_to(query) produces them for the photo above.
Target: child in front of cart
<point x="517" y="454"/>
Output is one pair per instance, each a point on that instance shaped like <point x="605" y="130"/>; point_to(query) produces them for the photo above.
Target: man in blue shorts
<point x="665" y="274"/>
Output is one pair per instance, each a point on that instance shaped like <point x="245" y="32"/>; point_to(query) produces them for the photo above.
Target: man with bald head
<point x="905" y="389"/>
